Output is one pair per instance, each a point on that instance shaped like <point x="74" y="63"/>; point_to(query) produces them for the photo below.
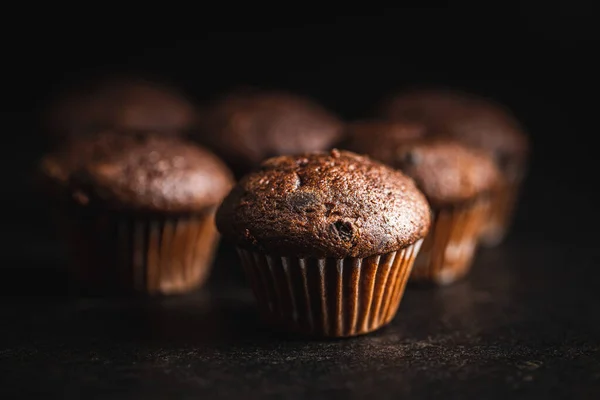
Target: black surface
<point x="525" y="324"/>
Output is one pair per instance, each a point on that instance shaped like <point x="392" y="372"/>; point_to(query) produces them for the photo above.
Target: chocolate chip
<point x="343" y="229"/>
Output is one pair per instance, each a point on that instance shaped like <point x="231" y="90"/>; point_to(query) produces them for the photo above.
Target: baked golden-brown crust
<point x="141" y="172"/>
<point x="247" y="126"/>
<point x="326" y="204"/>
<point x="447" y="171"/>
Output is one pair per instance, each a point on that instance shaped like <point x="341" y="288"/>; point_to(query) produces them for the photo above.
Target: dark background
<point x="538" y="335"/>
<point x="539" y="61"/>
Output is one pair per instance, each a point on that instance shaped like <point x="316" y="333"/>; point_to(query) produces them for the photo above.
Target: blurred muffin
<point x="137" y="210"/>
<point x="327" y="240"/>
<point x="120" y="103"/>
<point x="480" y="123"/>
<point x="247" y="126"/>
<point x="375" y="136"/>
<point x="457" y="181"/>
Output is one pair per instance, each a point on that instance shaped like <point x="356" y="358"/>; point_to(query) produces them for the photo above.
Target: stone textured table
<point x="525" y="324"/>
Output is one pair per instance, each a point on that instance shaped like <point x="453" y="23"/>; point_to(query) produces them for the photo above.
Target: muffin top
<point x="247" y="126"/>
<point x="325" y="204"/>
<point x="447" y="171"/>
<point x="119" y="103"/>
<point x="143" y="172"/>
<point x="472" y="119"/>
<point x="374" y="137"/>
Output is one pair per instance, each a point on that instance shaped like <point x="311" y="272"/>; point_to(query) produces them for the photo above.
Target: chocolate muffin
<point x="480" y="123"/>
<point x="457" y="181"/>
<point x="120" y="103"/>
<point x="247" y="126"/>
<point x="137" y="210"/>
<point x="375" y="135"/>
<point x="327" y="240"/>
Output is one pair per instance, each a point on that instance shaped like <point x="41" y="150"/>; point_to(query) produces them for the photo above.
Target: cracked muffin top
<point x="325" y="204"/>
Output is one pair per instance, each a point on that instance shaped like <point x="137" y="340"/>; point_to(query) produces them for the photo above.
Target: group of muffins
<point x="331" y="219"/>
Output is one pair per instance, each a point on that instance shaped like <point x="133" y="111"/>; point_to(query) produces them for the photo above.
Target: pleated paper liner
<point x="123" y="253"/>
<point x="449" y="248"/>
<point x="329" y="297"/>
<point x="501" y="213"/>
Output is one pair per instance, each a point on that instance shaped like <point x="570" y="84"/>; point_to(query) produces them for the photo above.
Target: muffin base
<point x="329" y="297"/>
<point x="115" y="252"/>
<point x="449" y="248"/>
<point x="501" y="212"/>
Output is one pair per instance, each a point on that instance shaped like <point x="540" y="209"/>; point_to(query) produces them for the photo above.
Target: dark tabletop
<point x="524" y="324"/>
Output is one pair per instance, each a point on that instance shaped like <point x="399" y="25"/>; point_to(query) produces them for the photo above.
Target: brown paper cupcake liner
<point x="449" y="248"/>
<point x="126" y="253"/>
<point x="329" y="297"/>
<point x="501" y="212"/>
